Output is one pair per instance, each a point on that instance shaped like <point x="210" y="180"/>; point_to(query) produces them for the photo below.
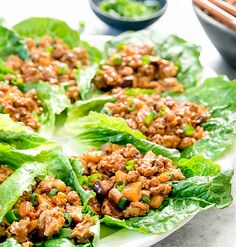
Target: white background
<point x="213" y="228"/>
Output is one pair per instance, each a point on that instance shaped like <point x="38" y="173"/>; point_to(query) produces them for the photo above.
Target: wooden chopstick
<point x="225" y="6"/>
<point x="217" y="12"/>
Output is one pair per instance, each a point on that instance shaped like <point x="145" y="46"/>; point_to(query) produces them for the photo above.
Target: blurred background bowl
<point x="123" y="23"/>
<point x="223" y="37"/>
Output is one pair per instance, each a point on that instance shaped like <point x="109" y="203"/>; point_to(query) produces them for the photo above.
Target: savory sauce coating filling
<point x="22" y="107"/>
<point x="50" y="210"/>
<point x="52" y="61"/>
<point x="5" y="172"/>
<point x="127" y="183"/>
<point x="164" y="121"/>
<point x="138" y="66"/>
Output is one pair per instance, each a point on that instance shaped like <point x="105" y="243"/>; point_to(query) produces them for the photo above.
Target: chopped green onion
<point x="120" y="185"/>
<point x="116" y="59"/>
<point x="91" y="185"/>
<point x="120" y="46"/>
<point x="53" y="192"/>
<point x="68" y="219"/>
<point x="78" y="65"/>
<point x="131" y="108"/>
<point x="40" y="68"/>
<point x="81" y="26"/>
<point x="12" y="216"/>
<point x="65" y="233"/>
<point x="49" y="50"/>
<point x="145" y="199"/>
<point x="123" y="203"/>
<point x="129" y="165"/>
<point x="65" y="85"/>
<point x="63" y="69"/>
<point x="131" y="105"/>
<point x="188" y="129"/>
<point x="163" y="111"/>
<point x="1" y="108"/>
<point x="146" y="60"/>
<point x="168" y="174"/>
<point x="150" y="117"/>
<point x="33" y="198"/>
<point x="83" y="180"/>
<point x="94" y="177"/>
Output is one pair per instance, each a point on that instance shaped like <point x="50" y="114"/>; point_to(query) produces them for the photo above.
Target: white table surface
<point x="212" y="228"/>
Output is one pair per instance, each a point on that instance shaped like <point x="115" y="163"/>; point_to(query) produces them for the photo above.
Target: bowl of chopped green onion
<point x="129" y="14"/>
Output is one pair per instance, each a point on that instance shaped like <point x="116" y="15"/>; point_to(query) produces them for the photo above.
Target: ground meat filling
<point x="138" y="66"/>
<point x="164" y="121"/>
<point x="127" y="183"/>
<point x="22" y="107"/>
<point x="49" y="210"/>
<point x="51" y="60"/>
<point x="5" y="172"/>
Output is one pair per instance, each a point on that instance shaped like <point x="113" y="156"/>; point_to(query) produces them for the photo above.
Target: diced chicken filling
<point x="52" y="61"/>
<point x="127" y="183"/>
<point x="22" y="107"/>
<point x="164" y="121"/>
<point x="5" y="172"/>
<point x="47" y="211"/>
<point x="138" y="66"/>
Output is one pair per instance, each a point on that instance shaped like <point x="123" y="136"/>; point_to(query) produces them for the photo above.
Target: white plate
<point x="128" y="238"/>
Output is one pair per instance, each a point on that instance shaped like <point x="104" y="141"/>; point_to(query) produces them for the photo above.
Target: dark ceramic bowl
<point x="223" y="37"/>
<point x="126" y="23"/>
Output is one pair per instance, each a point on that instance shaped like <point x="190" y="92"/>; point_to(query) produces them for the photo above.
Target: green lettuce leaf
<point x="14" y="186"/>
<point x="173" y="48"/>
<point x="37" y="27"/>
<point x="198" y="166"/>
<point x="84" y="78"/>
<point x="214" y="190"/>
<point x="18" y="145"/>
<point x="83" y="107"/>
<point x="10" y="242"/>
<point x="54" y="102"/>
<point x="188" y="197"/>
<point x="96" y="129"/>
<point x="218" y="95"/>
<point x="10" y="44"/>
<point x="17" y="135"/>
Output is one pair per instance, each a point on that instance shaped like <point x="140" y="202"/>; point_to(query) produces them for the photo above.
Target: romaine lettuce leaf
<point x="10" y="242"/>
<point x="218" y="95"/>
<point x="14" y="186"/>
<point x="83" y="107"/>
<point x="18" y="145"/>
<point x="17" y="135"/>
<point x="198" y="166"/>
<point x="10" y="44"/>
<point x="54" y="102"/>
<point x="184" y="54"/>
<point x="97" y="129"/>
<point x="84" y="78"/>
<point x="37" y="27"/>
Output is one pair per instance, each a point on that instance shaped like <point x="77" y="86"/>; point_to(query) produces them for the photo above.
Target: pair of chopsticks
<point x="223" y="11"/>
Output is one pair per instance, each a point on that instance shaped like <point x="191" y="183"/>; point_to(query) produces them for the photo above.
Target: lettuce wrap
<point x="53" y="99"/>
<point x="38" y="27"/>
<point x="31" y="156"/>
<point x="216" y="94"/>
<point x="205" y="185"/>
